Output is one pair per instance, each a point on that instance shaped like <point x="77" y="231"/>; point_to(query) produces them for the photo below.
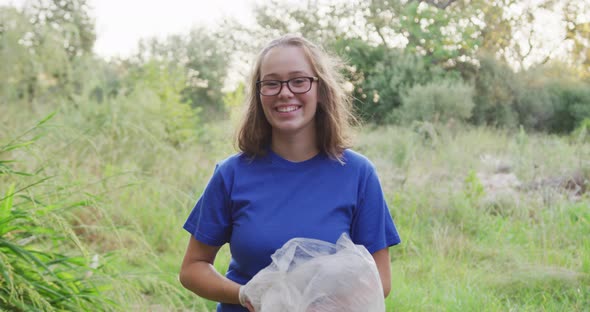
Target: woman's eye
<point x="271" y="84"/>
<point x="298" y="81"/>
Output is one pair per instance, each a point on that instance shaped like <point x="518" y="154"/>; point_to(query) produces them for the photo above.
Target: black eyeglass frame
<point x="282" y="82"/>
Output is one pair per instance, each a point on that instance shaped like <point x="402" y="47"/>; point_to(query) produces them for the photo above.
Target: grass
<point x="464" y="250"/>
<point x="465" y="246"/>
<point x="43" y="265"/>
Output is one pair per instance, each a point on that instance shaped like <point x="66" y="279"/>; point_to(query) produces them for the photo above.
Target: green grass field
<point x="490" y="220"/>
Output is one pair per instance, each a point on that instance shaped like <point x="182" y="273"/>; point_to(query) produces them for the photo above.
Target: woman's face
<point x="288" y="112"/>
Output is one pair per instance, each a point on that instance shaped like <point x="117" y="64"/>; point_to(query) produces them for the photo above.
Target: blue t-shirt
<point x="257" y="205"/>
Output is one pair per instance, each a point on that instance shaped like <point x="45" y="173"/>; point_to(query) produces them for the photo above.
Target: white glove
<point x="242" y="296"/>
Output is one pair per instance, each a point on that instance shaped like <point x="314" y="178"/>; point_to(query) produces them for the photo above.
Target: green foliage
<point x="414" y="25"/>
<point x="457" y="256"/>
<point x="140" y="120"/>
<point x="577" y="32"/>
<point x="380" y="76"/>
<point x="40" y="48"/>
<point x="109" y="79"/>
<point x="522" y="139"/>
<point x="474" y="190"/>
<point x="550" y="98"/>
<point x="438" y="101"/>
<point x="166" y="82"/>
<point x="323" y="22"/>
<point x="533" y="102"/>
<point x="200" y="57"/>
<point x="71" y="18"/>
<point x="495" y="94"/>
<point x="582" y="132"/>
<point x="496" y="35"/>
<point x="428" y="133"/>
<point x="571" y="104"/>
<point x="427" y="30"/>
<point x="33" y="277"/>
<point x="31" y="66"/>
<point x="234" y="103"/>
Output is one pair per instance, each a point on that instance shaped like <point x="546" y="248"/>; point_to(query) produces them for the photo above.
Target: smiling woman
<point x="295" y="177"/>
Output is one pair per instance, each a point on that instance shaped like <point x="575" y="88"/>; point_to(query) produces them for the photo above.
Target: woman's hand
<point x="244" y="300"/>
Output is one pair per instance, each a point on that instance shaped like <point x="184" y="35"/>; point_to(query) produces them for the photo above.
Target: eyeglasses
<point x="297" y="85"/>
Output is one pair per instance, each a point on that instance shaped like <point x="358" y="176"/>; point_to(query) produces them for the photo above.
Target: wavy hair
<point x="333" y="118"/>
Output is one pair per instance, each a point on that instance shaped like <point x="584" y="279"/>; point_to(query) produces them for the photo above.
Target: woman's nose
<point x="285" y="91"/>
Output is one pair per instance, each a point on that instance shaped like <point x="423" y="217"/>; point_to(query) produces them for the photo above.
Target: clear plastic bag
<point x="308" y="275"/>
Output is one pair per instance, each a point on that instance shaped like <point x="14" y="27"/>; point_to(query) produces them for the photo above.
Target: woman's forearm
<point x="383" y="262"/>
<point x="201" y="278"/>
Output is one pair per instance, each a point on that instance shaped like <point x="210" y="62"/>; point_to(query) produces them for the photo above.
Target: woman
<point x="294" y="177"/>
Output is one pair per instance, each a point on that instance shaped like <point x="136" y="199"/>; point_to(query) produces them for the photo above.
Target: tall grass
<point x="467" y="246"/>
<point x="43" y="265"/>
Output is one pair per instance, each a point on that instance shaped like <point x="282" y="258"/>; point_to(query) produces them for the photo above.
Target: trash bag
<point x="309" y="275"/>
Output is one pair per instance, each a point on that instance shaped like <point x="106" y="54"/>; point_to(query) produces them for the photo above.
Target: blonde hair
<point x="333" y="117"/>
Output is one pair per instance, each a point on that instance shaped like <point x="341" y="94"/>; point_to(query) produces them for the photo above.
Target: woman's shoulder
<point x="231" y="161"/>
<point x="355" y="158"/>
<point x="238" y="160"/>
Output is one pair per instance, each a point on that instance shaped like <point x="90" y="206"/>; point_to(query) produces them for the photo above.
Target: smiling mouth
<point x="287" y="109"/>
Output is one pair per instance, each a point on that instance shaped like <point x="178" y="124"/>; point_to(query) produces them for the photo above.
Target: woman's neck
<point x="295" y="148"/>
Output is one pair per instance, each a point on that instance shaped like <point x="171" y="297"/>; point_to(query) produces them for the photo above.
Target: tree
<point x="71" y="18"/>
<point x="202" y="57"/>
<point x="34" y="63"/>
<point x="496" y="90"/>
<point x="430" y="28"/>
<point x="381" y="75"/>
<point x="577" y="29"/>
<point x="441" y="4"/>
<point x="41" y="47"/>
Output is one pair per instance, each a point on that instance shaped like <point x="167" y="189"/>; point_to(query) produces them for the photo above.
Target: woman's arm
<point x="384" y="267"/>
<point x="198" y="274"/>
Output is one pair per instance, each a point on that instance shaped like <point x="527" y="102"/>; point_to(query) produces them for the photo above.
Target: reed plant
<point x="43" y="264"/>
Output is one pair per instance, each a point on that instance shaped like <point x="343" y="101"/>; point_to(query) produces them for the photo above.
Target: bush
<point x="438" y="101"/>
<point x="201" y="57"/>
<point x="43" y="46"/>
<point x="380" y="76"/>
<point x="533" y="102"/>
<point x="153" y="103"/>
<point x="550" y="98"/>
<point x="571" y="101"/>
<point x="496" y="90"/>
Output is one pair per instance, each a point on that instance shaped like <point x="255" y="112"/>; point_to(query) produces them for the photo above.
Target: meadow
<point x="481" y="141"/>
<point x="490" y="219"/>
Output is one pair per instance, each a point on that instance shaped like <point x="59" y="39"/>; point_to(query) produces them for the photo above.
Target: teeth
<point x="286" y="109"/>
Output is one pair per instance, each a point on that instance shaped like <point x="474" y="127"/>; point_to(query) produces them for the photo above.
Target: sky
<point x="120" y="24"/>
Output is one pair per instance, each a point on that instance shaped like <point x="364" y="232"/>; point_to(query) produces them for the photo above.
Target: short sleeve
<point x="210" y="220"/>
<point x="372" y="225"/>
